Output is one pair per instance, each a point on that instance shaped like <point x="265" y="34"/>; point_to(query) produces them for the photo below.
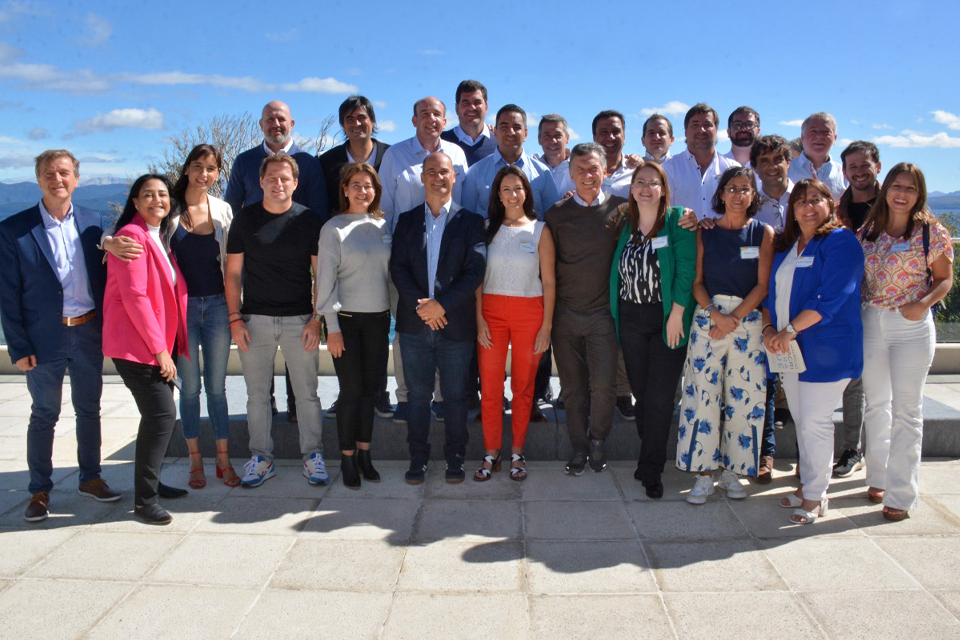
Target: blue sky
<point x="112" y="80"/>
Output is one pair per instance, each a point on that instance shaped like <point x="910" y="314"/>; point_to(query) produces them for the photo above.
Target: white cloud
<point x="380" y="104"/>
<point x="387" y="125"/>
<point x="38" y="133"/>
<point x="881" y="126"/>
<point x="573" y="134"/>
<point x="916" y="140"/>
<point x="15" y="161"/>
<point x="15" y="8"/>
<point x="121" y="119"/>
<point x="672" y="108"/>
<point x="9" y="140"/>
<point x="432" y="52"/>
<point x="856" y="122"/>
<point x="320" y="85"/>
<point x="99" y="158"/>
<point x="842" y="143"/>
<point x="722" y="135"/>
<point x="99" y="31"/>
<point x="947" y="118"/>
<point x="792" y="123"/>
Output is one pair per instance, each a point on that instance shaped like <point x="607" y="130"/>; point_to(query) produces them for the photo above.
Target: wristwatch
<point x="790" y="329"/>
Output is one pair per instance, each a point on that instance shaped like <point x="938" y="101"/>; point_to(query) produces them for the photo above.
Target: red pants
<point x="515" y="322"/>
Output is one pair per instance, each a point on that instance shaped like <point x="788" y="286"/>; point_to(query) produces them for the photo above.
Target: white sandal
<point x="802" y="516"/>
<point x="792" y="501"/>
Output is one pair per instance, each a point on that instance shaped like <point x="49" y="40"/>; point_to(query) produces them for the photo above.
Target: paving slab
<point x="340" y="565"/>
<point x="277" y="516"/>
<point x="722" y="566"/>
<point x="23" y="548"/>
<point x="431" y="616"/>
<point x="927" y="559"/>
<point x="656" y="520"/>
<point x="222" y="559"/>
<point x="598" y="520"/>
<point x="860" y="614"/>
<point x="93" y="555"/>
<point x="553" y="484"/>
<point x="468" y="520"/>
<point x="458" y="567"/>
<point x="929" y="518"/>
<point x="710" y="615"/>
<point x="950" y="600"/>
<point x="45" y="609"/>
<point x="499" y="487"/>
<point x="766" y="519"/>
<point x="391" y="484"/>
<point x="316" y="614"/>
<point x="374" y="519"/>
<point x="615" y="616"/>
<point x="575" y="568"/>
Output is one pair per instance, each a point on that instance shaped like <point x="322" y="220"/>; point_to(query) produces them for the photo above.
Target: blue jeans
<point x="423" y="354"/>
<point x="80" y="354"/>
<point x="768" y="441"/>
<point x="207" y="329"/>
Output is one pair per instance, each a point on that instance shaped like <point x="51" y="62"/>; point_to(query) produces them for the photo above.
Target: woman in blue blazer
<point x="815" y="299"/>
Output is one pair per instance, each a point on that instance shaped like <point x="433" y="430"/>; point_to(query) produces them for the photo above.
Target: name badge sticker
<point x="900" y="247"/>
<point x="386" y="238"/>
<point x="660" y="242"/>
<point x="749" y="253"/>
<point x="527" y="246"/>
<point x="806" y="261"/>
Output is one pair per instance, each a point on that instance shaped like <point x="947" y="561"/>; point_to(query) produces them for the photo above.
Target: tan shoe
<point x="98" y="490"/>
<point x="37" y="509"/>
<point x="765" y="472"/>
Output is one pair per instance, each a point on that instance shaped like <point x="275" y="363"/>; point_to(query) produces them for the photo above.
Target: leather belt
<point x="74" y="322"/>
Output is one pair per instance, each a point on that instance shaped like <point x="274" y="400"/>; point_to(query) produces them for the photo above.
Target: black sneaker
<point x="598" y="459"/>
<point x="416" y="473"/>
<point x="400" y="413"/>
<point x="455" y="473"/>
<point x="576" y="464"/>
<point x="536" y="415"/>
<point x="850" y="462"/>
<point x="332" y="411"/>
<point x="382" y="406"/>
<point x="625" y="407"/>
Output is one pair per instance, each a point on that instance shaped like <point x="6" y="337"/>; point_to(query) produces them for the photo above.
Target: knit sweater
<point x="474" y="153"/>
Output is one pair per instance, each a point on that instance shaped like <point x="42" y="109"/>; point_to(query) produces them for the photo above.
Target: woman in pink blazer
<point x="144" y="327"/>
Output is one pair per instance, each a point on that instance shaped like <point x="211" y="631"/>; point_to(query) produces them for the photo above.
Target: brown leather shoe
<point x="765" y="473"/>
<point x="98" y="490"/>
<point x="37" y="509"/>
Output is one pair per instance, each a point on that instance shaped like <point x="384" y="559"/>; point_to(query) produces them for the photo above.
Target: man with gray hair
<point x="585" y="229"/>
<point x="818" y="133"/>
<point x="51" y="295"/>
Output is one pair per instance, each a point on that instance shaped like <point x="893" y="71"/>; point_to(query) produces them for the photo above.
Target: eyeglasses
<point x="744" y="191"/>
<point x="653" y="184"/>
<point x="740" y="126"/>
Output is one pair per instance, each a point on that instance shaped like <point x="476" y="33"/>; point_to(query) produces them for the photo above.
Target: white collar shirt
<point x="773" y="211"/>
<point x="729" y="156"/>
<point x="465" y="138"/>
<point x="830" y="173"/>
<point x="286" y="147"/>
<point x="666" y="156"/>
<point x="690" y="188"/>
<point x="583" y="203"/>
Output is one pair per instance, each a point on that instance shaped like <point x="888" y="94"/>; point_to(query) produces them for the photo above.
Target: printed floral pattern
<point x="895" y="272"/>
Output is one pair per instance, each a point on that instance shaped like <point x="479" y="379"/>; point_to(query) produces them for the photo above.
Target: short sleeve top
<point x="895" y="270"/>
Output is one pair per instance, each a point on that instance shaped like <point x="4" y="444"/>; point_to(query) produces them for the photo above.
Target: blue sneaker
<point x="315" y="469"/>
<point x="400" y="413"/>
<point x="257" y="470"/>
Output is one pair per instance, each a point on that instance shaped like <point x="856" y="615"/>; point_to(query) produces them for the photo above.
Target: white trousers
<point x="812" y="405"/>
<point x="897" y="354"/>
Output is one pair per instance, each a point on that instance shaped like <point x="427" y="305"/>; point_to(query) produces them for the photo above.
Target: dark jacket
<point x="460" y="270"/>
<point x="31" y="297"/>
<point x="332" y="161"/>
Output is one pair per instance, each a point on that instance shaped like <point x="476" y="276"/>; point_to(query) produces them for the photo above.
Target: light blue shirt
<point x="435" y="226"/>
<point x="476" y="188"/>
<point x="830" y="174"/>
<point x="400" y="175"/>
<point x="64" y="238"/>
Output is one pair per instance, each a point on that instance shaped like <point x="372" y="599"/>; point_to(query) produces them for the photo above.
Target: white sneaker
<point x="730" y="482"/>
<point x="702" y="488"/>
<point x="315" y="469"/>
<point x="256" y="471"/>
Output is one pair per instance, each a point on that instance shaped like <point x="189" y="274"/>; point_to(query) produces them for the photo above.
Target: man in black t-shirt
<point x="270" y="252"/>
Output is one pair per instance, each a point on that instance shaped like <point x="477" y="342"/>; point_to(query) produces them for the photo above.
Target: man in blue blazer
<point x="51" y="295"/>
<point x="437" y="263"/>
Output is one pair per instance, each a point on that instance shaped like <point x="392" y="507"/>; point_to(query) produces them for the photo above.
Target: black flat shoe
<point x="153" y="514"/>
<point x="168" y="492"/>
<point x="654" y="489"/>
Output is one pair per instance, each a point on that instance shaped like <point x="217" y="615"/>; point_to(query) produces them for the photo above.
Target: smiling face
<point x="818" y="138"/>
<point x="772" y="167"/>
<point x="57" y="180"/>
<point x="203" y="172"/>
<point x="472" y="108"/>
<point x="587" y="172"/>
<point x="743" y="130"/>
<point x="276" y="123"/>
<point x="429" y="120"/>
<point x="812" y="210"/>
<point x="656" y="138"/>
<point x="610" y="135"/>
<point x="903" y="194"/>
<point x="553" y="139"/>
<point x="737" y="195"/>
<point x="438" y="176"/>
<point x="360" y="192"/>
<point x="357" y="125"/>
<point x="646" y="189"/>
<point x="511" y="133"/>
<point x="701" y="133"/>
<point x="512" y="195"/>
<point x="153" y="202"/>
<point x="861" y="171"/>
<point x="278" y="185"/>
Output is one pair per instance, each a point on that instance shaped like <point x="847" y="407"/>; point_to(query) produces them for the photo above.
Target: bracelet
<point x="764" y="328"/>
<point x="236" y="313"/>
<point x="232" y="322"/>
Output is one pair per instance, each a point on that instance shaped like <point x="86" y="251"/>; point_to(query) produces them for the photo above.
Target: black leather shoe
<point x="455" y="473"/>
<point x="576" y="464"/>
<point x="654" y="489"/>
<point x="153" y="514"/>
<point x="416" y="473"/>
<point x="170" y="493"/>
<point x="349" y="472"/>
<point x="366" y="466"/>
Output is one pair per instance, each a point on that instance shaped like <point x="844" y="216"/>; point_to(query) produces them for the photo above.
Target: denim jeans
<point x="207" y="329"/>
<point x="423" y="354"/>
<point x="266" y="334"/>
<point x="80" y="354"/>
<point x="768" y="441"/>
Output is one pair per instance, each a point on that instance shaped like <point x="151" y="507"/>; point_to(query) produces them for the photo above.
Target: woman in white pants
<point x="909" y="268"/>
<point x="815" y="300"/>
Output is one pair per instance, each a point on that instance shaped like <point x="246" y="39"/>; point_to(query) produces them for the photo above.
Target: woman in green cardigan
<point x="651" y="285"/>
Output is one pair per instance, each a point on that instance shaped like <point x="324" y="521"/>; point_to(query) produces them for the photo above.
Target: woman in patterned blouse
<point x="908" y="269"/>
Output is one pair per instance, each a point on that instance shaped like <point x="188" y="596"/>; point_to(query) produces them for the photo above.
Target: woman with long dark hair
<point x="651" y="298"/>
<point x="514" y="309"/>
<point x="908" y="269"/>
<point x="145" y="325"/>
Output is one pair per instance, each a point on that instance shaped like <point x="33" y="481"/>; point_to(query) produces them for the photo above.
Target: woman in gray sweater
<point x="353" y="297"/>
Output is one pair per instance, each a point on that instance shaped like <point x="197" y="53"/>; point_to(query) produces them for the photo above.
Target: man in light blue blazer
<point x="51" y="295"/>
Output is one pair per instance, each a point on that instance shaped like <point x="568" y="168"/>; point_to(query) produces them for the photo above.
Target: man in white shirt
<point x="818" y="133"/>
<point x="743" y="129"/>
<point x="472" y="134"/>
<point x="553" y="134"/>
<point x="657" y="138"/>
<point x="770" y="157"/>
<point x="693" y="174"/>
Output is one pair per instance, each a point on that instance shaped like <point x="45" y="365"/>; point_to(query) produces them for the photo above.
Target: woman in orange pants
<point x="514" y="307"/>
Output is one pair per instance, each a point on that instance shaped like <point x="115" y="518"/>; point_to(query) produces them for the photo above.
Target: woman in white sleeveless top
<point x="514" y="308"/>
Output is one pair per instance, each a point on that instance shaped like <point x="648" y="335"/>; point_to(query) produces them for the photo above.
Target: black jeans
<point x="585" y="345"/>
<point x="654" y="370"/>
<point x="158" y="414"/>
<point x="358" y="370"/>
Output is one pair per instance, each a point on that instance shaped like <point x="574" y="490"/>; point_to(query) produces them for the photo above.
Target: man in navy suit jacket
<point x="51" y="295"/>
<point x="437" y="263"/>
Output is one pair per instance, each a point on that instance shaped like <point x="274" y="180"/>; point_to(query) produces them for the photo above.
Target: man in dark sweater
<point x="472" y="134"/>
<point x="585" y="228"/>
<point x="861" y="165"/>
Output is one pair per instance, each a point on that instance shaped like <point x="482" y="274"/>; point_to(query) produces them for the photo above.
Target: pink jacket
<point x="143" y="313"/>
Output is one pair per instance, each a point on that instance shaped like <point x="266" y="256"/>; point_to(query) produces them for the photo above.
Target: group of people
<point x="634" y="273"/>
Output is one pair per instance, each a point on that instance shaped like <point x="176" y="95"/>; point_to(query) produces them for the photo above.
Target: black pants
<point x="654" y="369"/>
<point x="358" y="370"/>
<point x="544" y="369"/>
<point x="585" y="345"/>
<point x="158" y="414"/>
